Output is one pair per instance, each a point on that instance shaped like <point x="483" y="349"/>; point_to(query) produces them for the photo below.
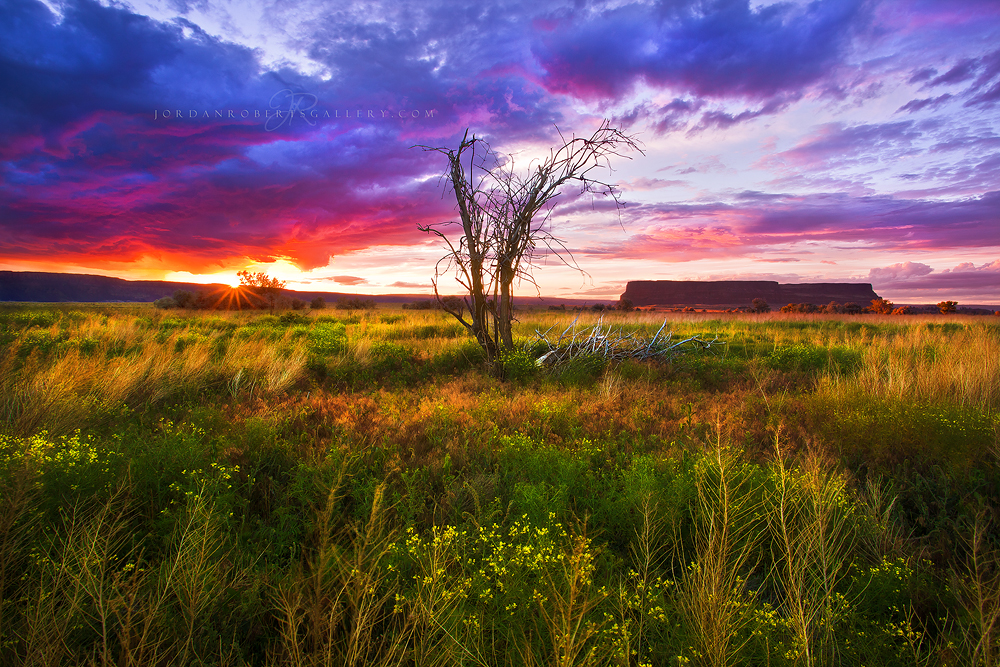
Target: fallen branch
<point x="615" y="344"/>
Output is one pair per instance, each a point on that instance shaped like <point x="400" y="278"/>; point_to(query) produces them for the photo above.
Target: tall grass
<point x="131" y="363"/>
<point x="930" y="365"/>
<point x="392" y="504"/>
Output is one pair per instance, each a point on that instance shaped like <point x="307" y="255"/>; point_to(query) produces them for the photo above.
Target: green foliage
<point x="583" y="370"/>
<point x="518" y="365"/>
<point x="403" y="502"/>
<point x="890" y="430"/>
<point x="356" y="303"/>
<point x="328" y="338"/>
<point x="811" y="358"/>
<point x="166" y="303"/>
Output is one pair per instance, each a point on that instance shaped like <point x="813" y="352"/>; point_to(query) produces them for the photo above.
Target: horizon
<point x="797" y="142"/>
<point x="521" y="298"/>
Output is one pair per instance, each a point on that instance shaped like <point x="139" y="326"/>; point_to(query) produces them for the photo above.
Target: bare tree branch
<point x="503" y="216"/>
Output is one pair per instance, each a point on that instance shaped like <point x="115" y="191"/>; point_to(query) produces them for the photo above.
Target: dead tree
<point x="504" y="219"/>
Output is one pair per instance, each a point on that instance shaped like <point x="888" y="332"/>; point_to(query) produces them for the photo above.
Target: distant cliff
<point x="739" y="293"/>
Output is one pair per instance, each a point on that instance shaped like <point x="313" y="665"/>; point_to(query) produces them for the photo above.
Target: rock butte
<point x="740" y="293"/>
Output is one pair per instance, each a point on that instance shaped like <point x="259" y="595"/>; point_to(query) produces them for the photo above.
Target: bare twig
<point x="616" y="344"/>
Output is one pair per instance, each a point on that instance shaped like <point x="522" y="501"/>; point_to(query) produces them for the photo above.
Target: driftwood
<point x="615" y="344"/>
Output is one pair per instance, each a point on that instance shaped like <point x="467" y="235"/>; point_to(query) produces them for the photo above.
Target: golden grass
<point x="920" y="364"/>
<point x="133" y="364"/>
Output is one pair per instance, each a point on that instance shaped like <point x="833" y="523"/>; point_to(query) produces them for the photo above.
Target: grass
<point x="352" y="488"/>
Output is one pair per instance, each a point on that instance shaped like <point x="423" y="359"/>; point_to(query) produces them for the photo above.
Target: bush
<point x="518" y="365"/>
<point x="947" y="307"/>
<point x="318" y="303"/>
<point x="625" y="305"/>
<point x="165" y="303"/>
<point x="183" y="298"/>
<point x="881" y="307"/>
<point x="298" y="304"/>
<point x="453" y="304"/>
<point x="424" y="304"/>
<point x="800" y="308"/>
<point x="759" y="306"/>
<point x="356" y="304"/>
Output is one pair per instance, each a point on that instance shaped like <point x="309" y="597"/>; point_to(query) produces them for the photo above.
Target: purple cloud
<point x="718" y="50"/>
<point x="962" y="71"/>
<point x="902" y="271"/>
<point x="685" y="232"/>
<point x="837" y="144"/>
<point x="928" y="102"/>
<point x="982" y="282"/>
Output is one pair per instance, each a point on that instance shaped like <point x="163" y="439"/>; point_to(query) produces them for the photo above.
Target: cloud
<point x="922" y="74"/>
<point x="903" y="271"/>
<point x="348" y="280"/>
<point x="685" y="232"/>
<point x="402" y="283"/>
<point x="643" y="183"/>
<point x="962" y="71"/>
<point x="981" y="282"/>
<point x="984" y="90"/>
<point x="835" y="144"/>
<point x="929" y="102"/>
<point x="87" y="172"/>
<point x="709" y="50"/>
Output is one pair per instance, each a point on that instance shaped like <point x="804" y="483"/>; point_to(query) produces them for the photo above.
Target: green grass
<point x="303" y="489"/>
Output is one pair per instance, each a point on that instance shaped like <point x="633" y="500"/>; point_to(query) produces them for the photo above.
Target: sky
<point x="828" y="141"/>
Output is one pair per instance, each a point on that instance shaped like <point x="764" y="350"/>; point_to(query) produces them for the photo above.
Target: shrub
<point x="904" y="310"/>
<point x="881" y="307"/>
<point x="183" y="298"/>
<point x="759" y="306"/>
<point x="453" y="304"/>
<point x="518" y="365"/>
<point x="799" y="308"/>
<point x="165" y="303"/>
<point x="298" y="304"/>
<point x="423" y="304"/>
<point x="292" y="318"/>
<point x="625" y="305"/>
<point x="356" y="304"/>
<point x="947" y="307"/>
<point x="318" y="303"/>
<point x="851" y="308"/>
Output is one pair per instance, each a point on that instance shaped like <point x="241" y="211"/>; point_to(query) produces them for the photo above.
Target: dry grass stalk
<point x="978" y="591"/>
<point x="713" y="597"/>
<point x="811" y="526"/>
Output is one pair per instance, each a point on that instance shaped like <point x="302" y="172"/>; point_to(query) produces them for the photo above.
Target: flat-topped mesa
<point x="740" y="293"/>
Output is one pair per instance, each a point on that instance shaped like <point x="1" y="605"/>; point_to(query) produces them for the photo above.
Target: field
<point x="351" y="488"/>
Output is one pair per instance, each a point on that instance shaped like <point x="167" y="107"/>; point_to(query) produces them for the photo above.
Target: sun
<point x="224" y="278"/>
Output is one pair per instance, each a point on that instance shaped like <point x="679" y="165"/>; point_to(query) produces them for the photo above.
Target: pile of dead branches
<point x="614" y="345"/>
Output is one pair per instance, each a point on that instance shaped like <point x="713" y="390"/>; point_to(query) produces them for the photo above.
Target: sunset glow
<point x="801" y="142"/>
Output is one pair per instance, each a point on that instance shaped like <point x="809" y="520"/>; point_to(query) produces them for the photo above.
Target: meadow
<point x="353" y="488"/>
